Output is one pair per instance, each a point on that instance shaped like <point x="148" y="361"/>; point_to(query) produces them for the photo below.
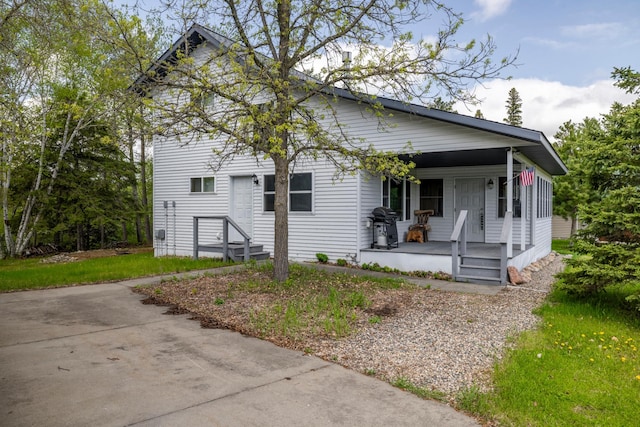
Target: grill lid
<point x="383" y="212"/>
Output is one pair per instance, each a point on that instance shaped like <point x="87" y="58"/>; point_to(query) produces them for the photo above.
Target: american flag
<point x="526" y="176"/>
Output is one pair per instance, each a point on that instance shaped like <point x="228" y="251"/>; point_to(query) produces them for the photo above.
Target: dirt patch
<point x="101" y="253"/>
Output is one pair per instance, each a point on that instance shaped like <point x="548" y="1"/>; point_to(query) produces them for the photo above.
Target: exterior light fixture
<point x="490" y="184"/>
<point x="255" y="179"/>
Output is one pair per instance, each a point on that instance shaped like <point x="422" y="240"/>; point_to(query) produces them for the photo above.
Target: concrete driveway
<point x="95" y="356"/>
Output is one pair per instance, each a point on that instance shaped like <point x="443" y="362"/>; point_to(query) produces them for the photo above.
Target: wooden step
<point x="235" y="250"/>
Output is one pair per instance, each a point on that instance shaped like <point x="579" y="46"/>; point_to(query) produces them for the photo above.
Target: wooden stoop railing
<point x="227" y="248"/>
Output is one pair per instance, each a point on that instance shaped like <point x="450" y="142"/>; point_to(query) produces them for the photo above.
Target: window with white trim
<point x="203" y="184"/>
<point x="396" y="196"/>
<point x="300" y="192"/>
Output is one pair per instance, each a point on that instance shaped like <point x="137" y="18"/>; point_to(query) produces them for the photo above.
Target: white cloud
<point x="603" y="30"/>
<point x="490" y="8"/>
<point x="547" y="105"/>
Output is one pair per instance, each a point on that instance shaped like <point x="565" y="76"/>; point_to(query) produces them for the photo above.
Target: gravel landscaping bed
<point x="443" y="341"/>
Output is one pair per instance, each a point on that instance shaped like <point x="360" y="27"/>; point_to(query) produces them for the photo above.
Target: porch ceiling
<point x="493" y="156"/>
<point x="490" y="156"/>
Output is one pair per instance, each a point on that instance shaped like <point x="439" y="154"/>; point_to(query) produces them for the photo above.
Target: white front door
<point x="241" y="206"/>
<point x="470" y="197"/>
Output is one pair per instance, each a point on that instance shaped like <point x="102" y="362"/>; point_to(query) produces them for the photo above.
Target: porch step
<point x="235" y="250"/>
<point x="478" y="280"/>
<point x="476" y="260"/>
<point x="479" y="269"/>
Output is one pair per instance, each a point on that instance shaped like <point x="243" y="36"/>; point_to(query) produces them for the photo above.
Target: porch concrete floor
<point x="444" y="248"/>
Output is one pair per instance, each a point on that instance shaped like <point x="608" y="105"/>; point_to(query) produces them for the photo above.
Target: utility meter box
<point x="160" y="234"/>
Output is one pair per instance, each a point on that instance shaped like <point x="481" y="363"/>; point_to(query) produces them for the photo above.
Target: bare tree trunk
<point x="27" y="223"/>
<point x="143" y="184"/>
<point x="79" y="237"/>
<point x="134" y="180"/>
<point x="281" y="229"/>
<point x="125" y="236"/>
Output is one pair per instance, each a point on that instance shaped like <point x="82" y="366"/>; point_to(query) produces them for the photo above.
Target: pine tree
<point x="514" y="109"/>
<point x="479" y="114"/>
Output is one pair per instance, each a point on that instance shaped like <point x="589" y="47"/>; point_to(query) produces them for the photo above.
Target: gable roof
<point x="538" y="150"/>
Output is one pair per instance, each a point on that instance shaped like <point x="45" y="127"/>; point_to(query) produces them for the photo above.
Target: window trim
<point x="310" y="192"/>
<point x="202" y="184"/>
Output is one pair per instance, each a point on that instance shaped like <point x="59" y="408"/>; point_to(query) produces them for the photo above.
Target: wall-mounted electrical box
<point x="160" y="234"/>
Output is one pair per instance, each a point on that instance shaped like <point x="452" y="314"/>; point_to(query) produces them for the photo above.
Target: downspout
<point x="173" y="203"/>
<point x="166" y="227"/>
<point x="358" y="216"/>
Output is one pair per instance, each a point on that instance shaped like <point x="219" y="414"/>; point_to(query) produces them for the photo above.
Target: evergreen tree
<point x="479" y="114"/>
<point x="514" y="109"/>
<point x="609" y="246"/>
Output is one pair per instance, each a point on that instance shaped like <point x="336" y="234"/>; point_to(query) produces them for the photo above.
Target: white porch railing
<point x="458" y="243"/>
<point x="226" y="221"/>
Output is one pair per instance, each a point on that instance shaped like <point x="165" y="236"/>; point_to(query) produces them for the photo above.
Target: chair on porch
<point x="422" y="223"/>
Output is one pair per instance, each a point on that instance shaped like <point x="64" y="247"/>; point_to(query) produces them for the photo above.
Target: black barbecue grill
<point x="384" y="229"/>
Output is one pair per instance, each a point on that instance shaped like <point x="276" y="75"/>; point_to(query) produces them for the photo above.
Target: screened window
<point x="502" y="197"/>
<point x="300" y="192"/>
<point x="545" y="197"/>
<point x="203" y="184"/>
<point x="397" y="197"/>
<point x="432" y="196"/>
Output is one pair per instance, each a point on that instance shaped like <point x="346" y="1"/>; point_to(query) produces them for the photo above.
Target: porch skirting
<point x="436" y="256"/>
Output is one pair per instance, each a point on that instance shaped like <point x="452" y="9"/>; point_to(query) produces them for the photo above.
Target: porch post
<point x="534" y="210"/>
<point x="523" y="216"/>
<point x="510" y="198"/>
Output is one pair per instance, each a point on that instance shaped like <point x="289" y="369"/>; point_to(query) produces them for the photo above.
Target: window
<point x="502" y="197"/>
<point x="397" y="197"/>
<point x="205" y="184"/>
<point x="545" y="197"/>
<point x="204" y="100"/>
<point x="300" y="192"/>
<point x="432" y="196"/>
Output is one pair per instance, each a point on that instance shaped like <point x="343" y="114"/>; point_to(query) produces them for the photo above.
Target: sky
<point x="566" y="49"/>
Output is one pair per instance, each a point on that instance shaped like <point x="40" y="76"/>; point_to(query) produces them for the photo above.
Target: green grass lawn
<point x="18" y="274"/>
<point x="562" y="246"/>
<point x="580" y="368"/>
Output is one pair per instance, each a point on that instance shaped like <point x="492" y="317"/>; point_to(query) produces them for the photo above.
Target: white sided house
<point x="483" y="219"/>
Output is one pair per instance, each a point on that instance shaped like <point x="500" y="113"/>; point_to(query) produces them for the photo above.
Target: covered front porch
<point x="478" y="262"/>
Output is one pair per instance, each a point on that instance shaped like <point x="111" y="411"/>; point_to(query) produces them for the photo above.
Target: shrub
<point x="323" y="258"/>
<point x="341" y="262"/>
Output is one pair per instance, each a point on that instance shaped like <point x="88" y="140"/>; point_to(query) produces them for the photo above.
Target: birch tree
<point x="270" y="80"/>
<point x="45" y="47"/>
